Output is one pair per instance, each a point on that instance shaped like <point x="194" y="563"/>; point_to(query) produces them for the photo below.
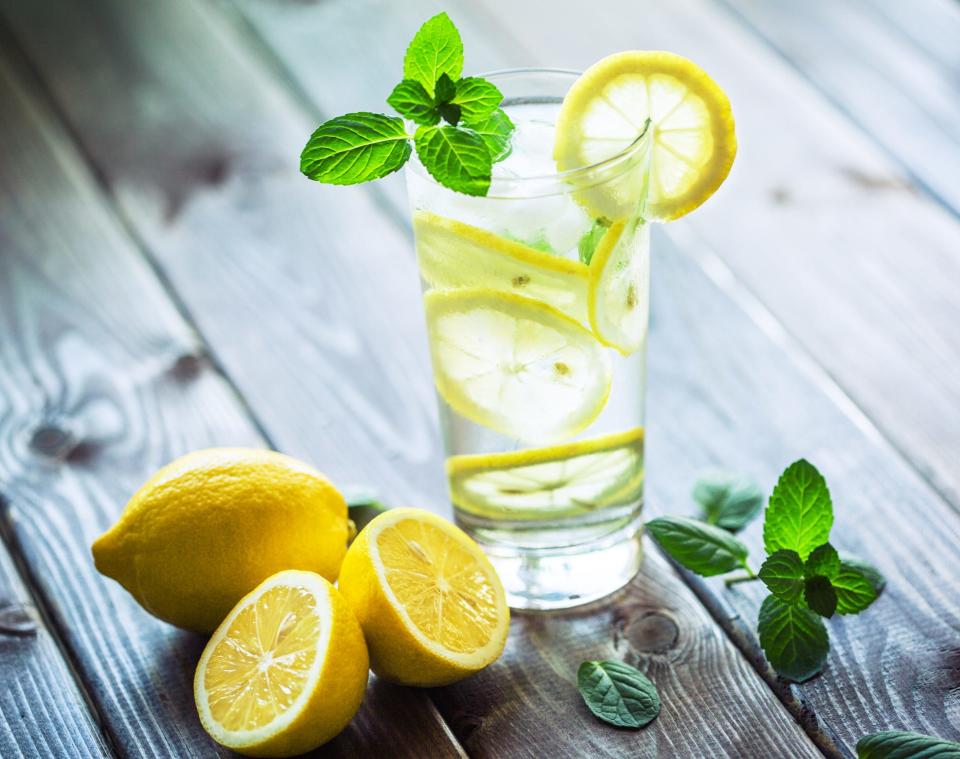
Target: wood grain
<point x="42" y="712"/>
<point x="102" y="382"/>
<point x="904" y="99"/>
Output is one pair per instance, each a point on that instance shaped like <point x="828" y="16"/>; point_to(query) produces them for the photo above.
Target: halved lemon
<point x="514" y="364"/>
<point x="620" y="286"/>
<point x="431" y="605"/>
<point x="453" y="254"/>
<point x="693" y="138"/>
<point x="553" y="482"/>
<point x="285" y="671"/>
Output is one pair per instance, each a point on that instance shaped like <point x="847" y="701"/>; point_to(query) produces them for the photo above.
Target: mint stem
<point x="740" y="578"/>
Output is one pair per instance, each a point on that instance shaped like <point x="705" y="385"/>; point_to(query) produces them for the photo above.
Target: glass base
<point x="548" y="579"/>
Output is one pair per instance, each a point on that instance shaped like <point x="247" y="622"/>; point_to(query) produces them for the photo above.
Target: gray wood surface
<point x="186" y="249"/>
<point x="905" y="99"/>
<point x="109" y="382"/>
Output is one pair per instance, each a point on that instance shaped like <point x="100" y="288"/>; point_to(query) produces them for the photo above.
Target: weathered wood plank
<point x="275" y="211"/>
<point x="902" y="98"/>
<point x="42" y="712"/>
<point x="102" y="382"/>
<point x="729" y="388"/>
<point x="814" y="219"/>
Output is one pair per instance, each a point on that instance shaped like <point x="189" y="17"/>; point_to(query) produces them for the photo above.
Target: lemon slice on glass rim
<point x="515" y="364"/>
<point x="559" y="481"/>
<point x="452" y="254"/>
<point x="692" y="143"/>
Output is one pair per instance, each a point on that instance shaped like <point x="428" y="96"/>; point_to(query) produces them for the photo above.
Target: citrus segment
<point x="431" y="605"/>
<point x="558" y="481"/>
<point x="620" y="286"/>
<point x="514" y="364"/>
<point x="453" y="254"/>
<point x="285" y="671"/>
<point x="693" y="139"/>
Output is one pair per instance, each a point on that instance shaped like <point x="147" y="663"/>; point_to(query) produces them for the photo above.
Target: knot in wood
<point x="53" y="440"/>
<point x="651" y="632"/>
<point x="187" y="366"/>
<point x="17" y="619"/>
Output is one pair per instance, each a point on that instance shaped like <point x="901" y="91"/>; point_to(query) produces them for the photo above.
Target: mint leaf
<point x="820" y="595"/>
<point x="363" y="505"/>
<point x="618" y="693"/>
<point x="800" y="513"/>
<point x="782" y="573"/>
<point x="495" y="131"/>
<point x="444" y="90"/>
<point x="898" y="744"/>
<point x="698" y="546"/>
<point x="587" y="245"/>
<point x="411" y="100"/>
<point x="728" y="500"/>
<point x="434" y="50"/>
<point x="355" y="148"/>
<point x="456" y="158"/>
<point x="877" y="580"/>
<point x="477" y="97"/>
<point x="793" y="638"/>
<point x="823" y="561"/>
<point x="855" y="591"/>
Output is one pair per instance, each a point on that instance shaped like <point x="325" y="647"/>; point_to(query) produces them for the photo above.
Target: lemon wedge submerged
<point x="285" y="671"/>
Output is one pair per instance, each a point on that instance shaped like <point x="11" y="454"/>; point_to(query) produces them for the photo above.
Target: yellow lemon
<point x="210" y="526"/>
<point x="285" y="671"/>
<point x="430" y="603"/>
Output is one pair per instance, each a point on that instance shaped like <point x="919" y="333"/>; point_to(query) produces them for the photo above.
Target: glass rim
<point x="556" y="177"/>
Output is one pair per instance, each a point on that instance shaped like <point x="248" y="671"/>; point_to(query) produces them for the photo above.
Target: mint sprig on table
<point x="460" y="129"/>
<point x="807" y="579"/>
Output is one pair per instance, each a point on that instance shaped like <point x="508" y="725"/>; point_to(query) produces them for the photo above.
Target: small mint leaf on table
<point x="588" y="243"/>
<point x="800" y="513"/>
<point x="824" y="560"/>
<point x="411" y="100"/>
<point x="728" y="500"/>
<point x="618" y="693"/>
<point x="698" y="546"/>
<point x="782" y="573"/>
<point x="793" y="638"/>
<point x="820" y="596"/>
<point x="355" y="148"/>
<point x="456" y="158"/>
<point x="855" y="591"/>
<point x="900" y="744"/>
<point x="495" y="131"/>
<point x="435" y="49"/>
<point x="477" y="97"/>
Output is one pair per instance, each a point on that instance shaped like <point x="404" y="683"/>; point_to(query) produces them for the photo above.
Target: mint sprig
<point x="807" y="579"/>
<point x="459" y="153"/>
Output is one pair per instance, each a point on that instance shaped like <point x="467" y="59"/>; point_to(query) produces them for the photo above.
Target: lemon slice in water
<point x="548" y="483"/>
<point x="452" y="254"/>
<point x="693" y="139"/>
<point x="515" y="364"/>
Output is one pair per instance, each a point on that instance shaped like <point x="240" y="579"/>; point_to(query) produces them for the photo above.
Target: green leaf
<point x="618" y="693"/>
<point x="800" y="513"/>
<point x="822" y="561"/>
<point x="782" y="573"/>
<point x="434" y="50"/>
<point x="411" y="100"/>
<point x="820" y="596"/>
<point x="897" y="744"/>
<point x="698" y="546"/>
<point x="495" y="131"/>
<point x="456" y="158"/>
<point x="355" y="148"/>
<point x="728" y="500"/>
<point x="363" y="505"/>
<point x="444" y="90"/>
<point x="477" y="97"/>
<point x="877" y="580"/>
<point x="855" y="591"/>
<point x="793" y="638"/>
<point x="587" y="245"/>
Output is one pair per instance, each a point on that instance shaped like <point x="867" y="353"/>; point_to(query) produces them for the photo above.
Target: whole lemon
<point x="207" y="528"/>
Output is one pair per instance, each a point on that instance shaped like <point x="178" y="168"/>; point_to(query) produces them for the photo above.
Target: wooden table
<point x="168" y="281"/>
